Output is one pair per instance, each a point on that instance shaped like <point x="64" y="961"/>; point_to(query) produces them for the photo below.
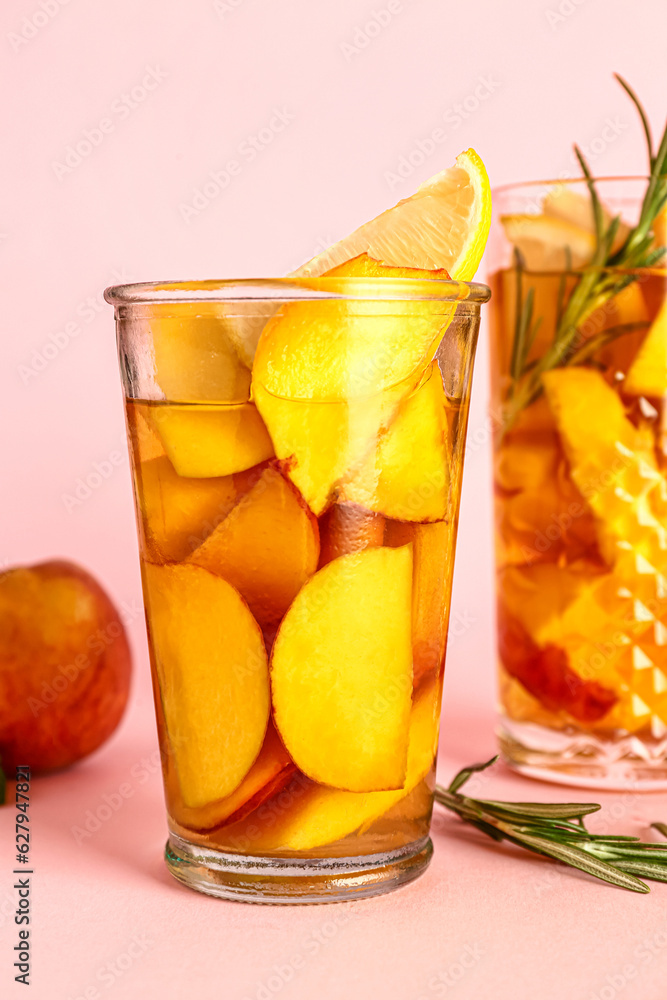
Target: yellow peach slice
<point x="347" y="528"/>
<point x="177" y="514"/>
<point x="207" y="441"/>
<point x="547" y="243"/>
<point x="318" y="442"/>
<point x="195" y="360"/>
<point x="331" y="350"/>
<point x="267" y="547"/>
<point x="613" y="463"/>
<point x="341" y="672"/>
<point x="648" y="374"/>
<point x="576" y="208"/>
<point x="358" y="356"/>
<point x="320" y="816"/>
<point x="213" y="677"/>
<point x="405" y="476"/>
<point x="271" y="771"/>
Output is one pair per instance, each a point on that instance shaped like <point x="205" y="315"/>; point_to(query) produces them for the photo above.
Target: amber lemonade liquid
<point x="272" y="546"/>
<point x="581" y="526"/>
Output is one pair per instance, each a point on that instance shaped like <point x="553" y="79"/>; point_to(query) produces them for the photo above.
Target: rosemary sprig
<point x="595" y="284"/>
<point x="547" y="829"/>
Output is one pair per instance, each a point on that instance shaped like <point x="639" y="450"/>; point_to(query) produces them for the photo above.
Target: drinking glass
<point x="579" y="407"/>
<point x="297" y="449"/>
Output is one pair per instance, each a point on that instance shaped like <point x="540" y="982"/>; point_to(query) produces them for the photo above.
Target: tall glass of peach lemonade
<point x="579" y="342"/>
<point x="297" y="450"/>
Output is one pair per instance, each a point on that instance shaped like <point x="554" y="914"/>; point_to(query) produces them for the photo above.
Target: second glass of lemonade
<point x="297" y="506"/>
<point x="580" y="490"/>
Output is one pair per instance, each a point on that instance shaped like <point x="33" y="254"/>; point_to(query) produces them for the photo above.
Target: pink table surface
<point x="483" y="921"/>
<point x="375" y="97"/>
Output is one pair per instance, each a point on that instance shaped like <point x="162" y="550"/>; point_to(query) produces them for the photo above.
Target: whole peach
<point x="64" y="666"/>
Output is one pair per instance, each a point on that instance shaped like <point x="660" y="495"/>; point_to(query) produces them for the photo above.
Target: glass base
<point x="289" y="880"/>
<point x="583" y="759"/>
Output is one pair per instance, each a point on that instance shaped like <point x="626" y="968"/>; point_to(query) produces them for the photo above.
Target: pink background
<point x="348" y="91"/>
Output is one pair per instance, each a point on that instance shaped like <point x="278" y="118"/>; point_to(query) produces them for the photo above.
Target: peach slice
<point x="320" y="816"/>
<point x="433" y="553"/>
<point x="213" y="677"/>
<point x="267" y="547"/>
<point x="648" y="374"/>
<point x="178" y="513"/>
<point x="210" y="441"/>
<point x="341" y="672"/>
<point x="331" y="350"/>
<point x="271" y="771"/>
<point x="406" y="475"/>
<point x="612" y="463"/>
<point x="347" y="528"/>
<point x="317" y="442"/>
<point x="195" y="360"/>
<point x="360" y="357"/>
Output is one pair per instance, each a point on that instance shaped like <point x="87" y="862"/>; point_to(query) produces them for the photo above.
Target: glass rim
<point x="576" y="272"/>
<point x="556" y="181"/>
<point x="292" y="289"/>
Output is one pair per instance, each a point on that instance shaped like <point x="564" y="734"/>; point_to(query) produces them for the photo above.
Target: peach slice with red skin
<point x="341" y="672"/>
<point x="267" y="547"/>
<point x="272" y="770"/>
<point x="213" y="678"/>
<point x="347" y="528"/>
<point x="318" y="816"/>
<point x="211" y="441"/>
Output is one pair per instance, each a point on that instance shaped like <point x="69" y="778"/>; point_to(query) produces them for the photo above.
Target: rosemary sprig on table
<point x="595" y="283"/>
<point x="547" y="829"/>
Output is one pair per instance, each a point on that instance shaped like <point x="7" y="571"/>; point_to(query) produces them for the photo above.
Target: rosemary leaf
<point x="547" y="829"/>
<point x="644" y="120"/>
<point x="646" y="870"/>
<point x="577" y="858"/>
<point x="595" y="284"/>
<point x="466" y="773"/>
<point x="546" y="810"/>
<point x="598" y="216"/>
